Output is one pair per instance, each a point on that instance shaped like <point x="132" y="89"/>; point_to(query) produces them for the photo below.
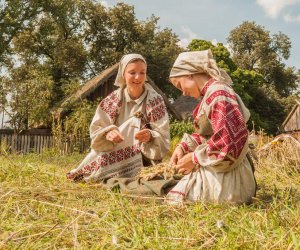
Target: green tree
<point x="14" y="17"/>
<point x="52" y="40"/>
<point x="264" y="103"/>
<point x="255" y="49"/>
<point x="30" y="90"/>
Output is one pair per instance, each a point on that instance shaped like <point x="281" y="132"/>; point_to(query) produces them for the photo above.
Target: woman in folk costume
<point x="213" y="159"/>
<point x="131" y="126"/>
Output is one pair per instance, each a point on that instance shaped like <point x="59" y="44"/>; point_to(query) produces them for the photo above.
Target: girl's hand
<point x="176" y="156"/>
<point x="143" y="135"/>
<point x="185" y="165"/>
<point x="114" y="136"/>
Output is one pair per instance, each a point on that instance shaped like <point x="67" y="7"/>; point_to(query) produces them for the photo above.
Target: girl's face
<point x="135" y="74"/>
<point x="187" y="85"/>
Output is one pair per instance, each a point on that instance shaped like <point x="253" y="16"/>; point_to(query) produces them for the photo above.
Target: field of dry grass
<point x="40" y="209"/>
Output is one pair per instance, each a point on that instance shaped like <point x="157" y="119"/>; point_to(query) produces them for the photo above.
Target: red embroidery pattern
<point x="219" y="93"/>
<point x="230" y="131"/>
<point x="108" y="159"/>
<point x="196" y="109"/>
<point x="203" y="91"/>
<point x="197" y="138"/>
<point x="111" y="105"/>
<point x="207" y="85"/>
<point x="185" y="147"/>
<point x="156" y="109"/>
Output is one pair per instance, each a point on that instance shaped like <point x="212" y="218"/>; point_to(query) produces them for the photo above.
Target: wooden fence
<point x="37" y="141"/>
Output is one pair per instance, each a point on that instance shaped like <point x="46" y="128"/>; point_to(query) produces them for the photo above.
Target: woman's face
<point x="135" y="74"/>
<point x="187" y="85"/>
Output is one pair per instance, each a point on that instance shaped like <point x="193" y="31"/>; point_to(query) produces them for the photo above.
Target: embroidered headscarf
<point x="120" y="80"/>
<point x="195" y="62"/>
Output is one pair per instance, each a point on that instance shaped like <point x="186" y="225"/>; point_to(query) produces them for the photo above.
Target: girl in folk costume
<point x="213" y="159"/>
<point x="130" y="125"/>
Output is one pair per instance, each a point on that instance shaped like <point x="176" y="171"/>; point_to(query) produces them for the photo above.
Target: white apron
<point x="125" y="160"/>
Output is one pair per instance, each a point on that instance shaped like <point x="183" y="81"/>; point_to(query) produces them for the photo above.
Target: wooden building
<point x="185" y="105"/>
<point x="292" y="122"/>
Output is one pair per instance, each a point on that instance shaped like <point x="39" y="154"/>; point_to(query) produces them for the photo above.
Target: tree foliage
<point x="56" y="45"/>
<point x="14" y="17"/>
<point x="255" y="49"/>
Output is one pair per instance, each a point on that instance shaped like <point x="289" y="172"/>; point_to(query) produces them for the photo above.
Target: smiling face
<point x="135" y="75"/>
<point x="187" y="85"/>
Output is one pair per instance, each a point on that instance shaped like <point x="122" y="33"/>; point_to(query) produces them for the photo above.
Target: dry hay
<point x="284" y="149"/>
<point x="162" y="170"/>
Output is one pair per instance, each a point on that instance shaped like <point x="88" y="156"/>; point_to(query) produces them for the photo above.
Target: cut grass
<point x="40" y="209"/>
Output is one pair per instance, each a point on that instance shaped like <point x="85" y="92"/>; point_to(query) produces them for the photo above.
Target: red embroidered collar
<point x="206" y="86"/>
<point x="203" y="91"/>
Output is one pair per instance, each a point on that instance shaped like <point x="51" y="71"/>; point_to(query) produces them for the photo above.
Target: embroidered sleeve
<point x="229" y="130"/>
<point x="189" y="143"/>
<point x="111" y="105"/>
<point x="157" y="114"/>
<point x="103" y="122"/>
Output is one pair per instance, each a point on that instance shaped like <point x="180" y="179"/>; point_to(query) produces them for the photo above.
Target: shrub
<point x="177" y="129"/>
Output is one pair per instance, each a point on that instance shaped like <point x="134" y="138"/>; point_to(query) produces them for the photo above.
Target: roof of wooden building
<point x="292" y="121"/>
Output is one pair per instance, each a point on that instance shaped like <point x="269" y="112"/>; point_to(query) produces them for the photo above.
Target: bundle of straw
<point x="162" y="170"/>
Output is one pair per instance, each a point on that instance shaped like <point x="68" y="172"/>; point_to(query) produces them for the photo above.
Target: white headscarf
<point x="120" y="80"/>
<point x="195" y="62"/>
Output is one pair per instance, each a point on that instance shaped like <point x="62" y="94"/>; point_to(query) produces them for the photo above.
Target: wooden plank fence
<point x="25" y="144"/>
<point x="39" y="141"/>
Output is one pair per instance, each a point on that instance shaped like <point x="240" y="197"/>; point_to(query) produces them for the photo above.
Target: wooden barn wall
<point x="103" y="90"/>
<point x="293" y="123"/>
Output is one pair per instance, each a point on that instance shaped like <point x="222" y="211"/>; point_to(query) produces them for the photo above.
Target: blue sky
<point x="213" y="19"/>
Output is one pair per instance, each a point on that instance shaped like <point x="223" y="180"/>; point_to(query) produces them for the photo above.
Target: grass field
<point x="40" y="209"/>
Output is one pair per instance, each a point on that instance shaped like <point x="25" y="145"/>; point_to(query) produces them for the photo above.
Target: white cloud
<point x="184" y="42"/>
<point x="188" y="32"/>
<point x="2" y="4"/>
<point x="214" y="41"/>
<point x="289" y="18"/>
<point x="189" y="35"/>
<point x="227" y="46"/>
<point x="273" y="7"/>
<point x="104" y="3"/>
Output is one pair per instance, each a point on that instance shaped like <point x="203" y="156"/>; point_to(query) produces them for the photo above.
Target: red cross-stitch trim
<point x="111" y="105"/>
<point x="156" y="109"/>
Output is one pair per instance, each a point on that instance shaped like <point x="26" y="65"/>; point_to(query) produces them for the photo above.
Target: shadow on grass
<point x="269" y="195"/>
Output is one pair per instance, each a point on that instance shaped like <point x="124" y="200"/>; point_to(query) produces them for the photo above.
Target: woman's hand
<point x="114" y="136"/>
<point x="185" y="165"/>
<point x="143" y="135"/>
<point x="176" y="156"/>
